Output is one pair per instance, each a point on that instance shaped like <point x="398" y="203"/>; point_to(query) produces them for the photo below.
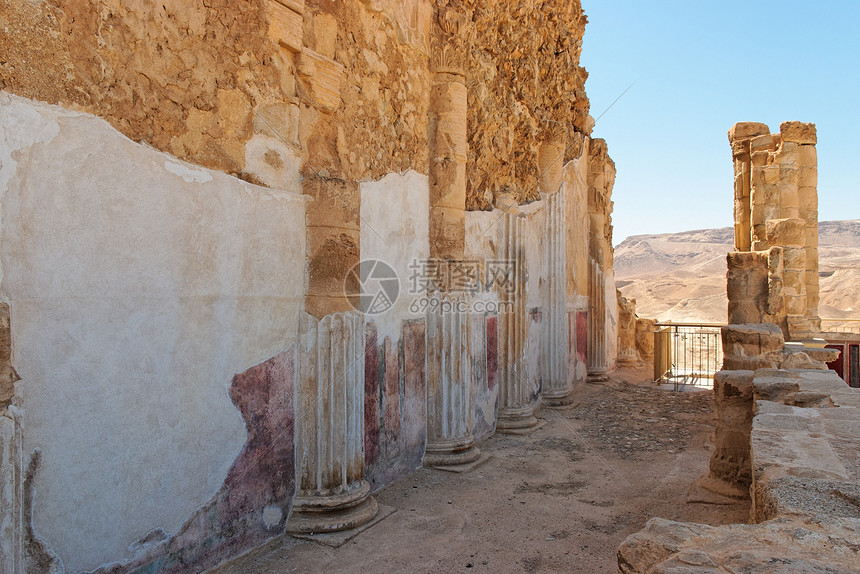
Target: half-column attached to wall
<point x="449" y="407"/>
<point x="555" y="385"/>
<point x="516" y="414"/>
<point x="329" y="433"/>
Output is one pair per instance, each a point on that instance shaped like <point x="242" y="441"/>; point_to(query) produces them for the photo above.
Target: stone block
<point x="795" y="259"/>
<point x="741" y="312"/>
<point x="285" y="24"/>
<point x="760" y="159"/>
<point x="798" y="132"/>
<point x="746" y="285"/>
<point x="751" y="339"/>
<point x="808" y="177"/>
<point x="807" y="196"/>
<point x="335" y="204"/>
<point x="321" y="77"/>
<point x="807" y="156"/>
<point x="771" y="174"/>
<point x="775" y="260"/>
<point x="746" y="260"/>
<point x="740" y="150"/>
<point x="762" y="143"/>
<point x="294" y="5"/>
<point x="789" y="232"/>
<point x="795" y="305"/>
<point x="788" y="154"/>
<point x="747" y="130"/>
<point x="323" y="34"/>
<point x="789" y="175"/>
<point x="331" y="255"/>
<point x="811" y="260"/>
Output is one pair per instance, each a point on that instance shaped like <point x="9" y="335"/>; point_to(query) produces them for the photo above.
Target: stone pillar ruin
<point x="449" y="416"/>
<point x="331" y="494"/>
<point x="448" y="137"/>
<point x="776" y="205"/>
<point x="450" y="441"/>
<point x="627" y="352"/>
<point x="515" y="413"/>
<point x="555" y="384"/>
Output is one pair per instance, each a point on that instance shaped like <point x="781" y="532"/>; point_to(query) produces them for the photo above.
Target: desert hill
<point x="682" y="276"/>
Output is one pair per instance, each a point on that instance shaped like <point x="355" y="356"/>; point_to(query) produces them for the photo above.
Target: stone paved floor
<point x="560" y="500"/>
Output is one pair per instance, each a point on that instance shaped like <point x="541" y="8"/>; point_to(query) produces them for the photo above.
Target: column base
<point x="314" y="514"/>
<point x="598" y="375"/>
<point x="453" y="452"/>
<point x="516" y="420"/>
<point x="558" y="397"/>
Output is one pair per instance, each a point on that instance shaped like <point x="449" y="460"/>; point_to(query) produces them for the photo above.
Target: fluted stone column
<point x="515" y="411"/>
<point x="597" y="370"/>
<point x="12" y="469"/>
<point x="332" y="494"/>
<point x="555" y="385"/>
<point x="450" y="441"/>
<point x="449" y="409"/>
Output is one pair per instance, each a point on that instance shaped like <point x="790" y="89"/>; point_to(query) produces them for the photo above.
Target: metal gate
<point x="687" y="353"/>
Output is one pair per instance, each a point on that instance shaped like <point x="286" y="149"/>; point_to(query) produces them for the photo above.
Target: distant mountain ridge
<point x="681" y="276"/>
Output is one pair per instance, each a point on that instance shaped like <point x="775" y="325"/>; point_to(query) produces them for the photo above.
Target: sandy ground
<point x="560" y="500"/>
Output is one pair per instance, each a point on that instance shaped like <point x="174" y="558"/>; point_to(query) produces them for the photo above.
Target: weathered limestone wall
<point x="776" y="205"/>
<point x="139" y="286"/>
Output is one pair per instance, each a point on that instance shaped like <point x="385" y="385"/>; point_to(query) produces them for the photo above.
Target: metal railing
<point x="832" y="325"/>
<point x="687" y="353"/>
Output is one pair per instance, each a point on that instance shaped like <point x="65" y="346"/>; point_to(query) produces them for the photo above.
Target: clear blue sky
<point x="701" y="66"/>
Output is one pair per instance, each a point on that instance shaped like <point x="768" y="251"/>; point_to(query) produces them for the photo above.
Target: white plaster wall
<point x="138" y="285"/>
<point x="482" y="233"/>
<point x="395" y="225"/>
<point x="535" y="214"/>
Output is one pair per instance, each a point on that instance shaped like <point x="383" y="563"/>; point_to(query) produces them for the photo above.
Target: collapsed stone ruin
<point x="787" y="428"/>
<point x="262" y="259"/>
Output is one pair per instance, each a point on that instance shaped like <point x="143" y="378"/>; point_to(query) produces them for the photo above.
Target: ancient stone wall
<point x="427" y="135"/>
<point x="200" y="81"/>
<point x="788" y="440"/>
